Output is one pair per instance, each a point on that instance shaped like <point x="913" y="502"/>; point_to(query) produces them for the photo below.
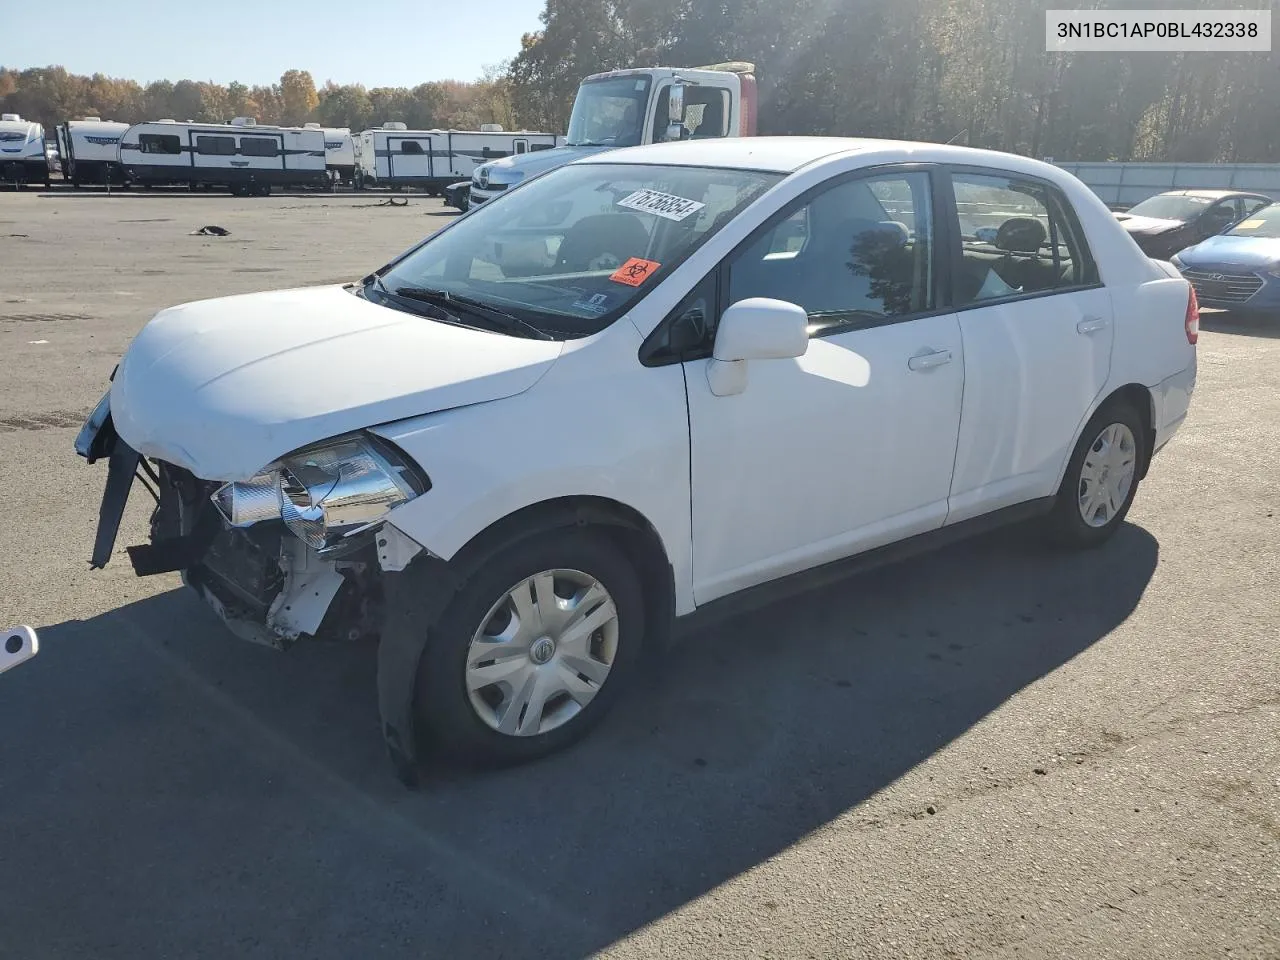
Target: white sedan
<point x="657" y="382"/>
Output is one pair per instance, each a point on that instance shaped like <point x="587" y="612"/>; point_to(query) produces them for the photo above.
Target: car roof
<point x="788" y="154"/>
<point x="1213" y="194"/>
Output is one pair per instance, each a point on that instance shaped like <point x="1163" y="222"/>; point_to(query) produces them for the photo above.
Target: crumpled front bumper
<point x="213" y="560"/>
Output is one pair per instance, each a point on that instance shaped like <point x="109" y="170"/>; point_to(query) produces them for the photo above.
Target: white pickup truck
<point x="627" y="108"/>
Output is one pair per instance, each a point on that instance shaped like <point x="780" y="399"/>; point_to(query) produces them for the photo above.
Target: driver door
<point x="852" y="445"/>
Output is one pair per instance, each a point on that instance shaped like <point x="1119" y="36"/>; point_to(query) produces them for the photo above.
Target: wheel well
<point x="1139" y="397"/>
<point x="626" y="527"/>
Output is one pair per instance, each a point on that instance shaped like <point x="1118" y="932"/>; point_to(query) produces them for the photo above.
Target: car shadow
<point x="1241" y="324"/>
<point x="170" y="790"/>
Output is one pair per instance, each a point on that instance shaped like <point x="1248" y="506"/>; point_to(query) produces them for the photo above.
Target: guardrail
<point x="1124" y="184"/>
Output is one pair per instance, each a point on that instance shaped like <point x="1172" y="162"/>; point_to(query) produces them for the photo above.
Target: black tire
<point x="447" y="723"/>
<point x="1067" y="525"/>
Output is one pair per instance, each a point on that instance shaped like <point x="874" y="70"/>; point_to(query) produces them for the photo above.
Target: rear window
<point x="259" y="147"/>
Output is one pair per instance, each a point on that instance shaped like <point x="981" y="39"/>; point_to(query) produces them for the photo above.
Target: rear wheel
<point x="1101" y="478"/>
<point x="532" y="651"/>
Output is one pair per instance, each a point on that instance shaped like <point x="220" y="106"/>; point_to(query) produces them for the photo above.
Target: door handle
<point x="1091" y="325"/>
<point x="927" y="361"/>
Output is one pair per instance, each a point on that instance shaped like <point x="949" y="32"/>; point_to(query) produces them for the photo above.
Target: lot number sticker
<point x="1250" y="224"/>
<point x="661" y="204"/>
<point x="635" y="272"/>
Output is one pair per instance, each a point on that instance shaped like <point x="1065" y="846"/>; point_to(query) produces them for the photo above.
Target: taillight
<point x="1193" y="316"/>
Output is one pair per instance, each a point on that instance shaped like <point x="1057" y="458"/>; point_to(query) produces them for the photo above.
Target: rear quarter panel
<point x="1149" y="306"/>
<point x="1149" y="300"/>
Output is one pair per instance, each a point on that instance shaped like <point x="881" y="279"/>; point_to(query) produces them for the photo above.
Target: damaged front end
<point x="290" y="553"/>
<point x="298" y="551"/>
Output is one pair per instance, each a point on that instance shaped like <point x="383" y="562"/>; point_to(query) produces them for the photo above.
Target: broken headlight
<point x="325" y="493"/>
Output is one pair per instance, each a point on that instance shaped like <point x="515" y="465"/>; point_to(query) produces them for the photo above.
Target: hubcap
<point x="542" y="652"/>
<point x="1106" y="476"/>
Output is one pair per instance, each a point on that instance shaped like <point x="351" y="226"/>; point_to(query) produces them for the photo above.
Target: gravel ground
<point x="993" y="751"/>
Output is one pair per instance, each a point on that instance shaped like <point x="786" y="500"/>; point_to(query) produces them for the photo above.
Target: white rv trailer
<point x="241" y="155"/>
<point x="22" y="155"/>
<point x="339" y="152"/>
<point x="391" y="155"/>
<point x="90" y="150"/>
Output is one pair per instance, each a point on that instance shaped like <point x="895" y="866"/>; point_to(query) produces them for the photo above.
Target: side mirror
<point x="675" y="104"/>
<point x="755" y="329"/>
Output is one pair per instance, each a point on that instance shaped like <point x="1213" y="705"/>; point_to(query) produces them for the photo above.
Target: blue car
<point x="1239" y="269"/>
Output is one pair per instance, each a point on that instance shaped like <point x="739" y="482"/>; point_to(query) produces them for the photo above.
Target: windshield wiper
<point x="445" y="299"/>
<point x="437" y="312"/>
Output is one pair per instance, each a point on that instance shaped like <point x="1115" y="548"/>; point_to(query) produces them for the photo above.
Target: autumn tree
<point x="297" y="96"/>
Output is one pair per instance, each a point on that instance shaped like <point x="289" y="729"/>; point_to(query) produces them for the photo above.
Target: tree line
<point x="973" y="72"/>
<point x="51" y="95"/>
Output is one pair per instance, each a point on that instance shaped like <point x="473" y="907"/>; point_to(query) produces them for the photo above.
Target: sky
<point x="388" y="43"/>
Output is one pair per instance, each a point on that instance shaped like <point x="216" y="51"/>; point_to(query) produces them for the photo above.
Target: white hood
<point x="224" y="387"/>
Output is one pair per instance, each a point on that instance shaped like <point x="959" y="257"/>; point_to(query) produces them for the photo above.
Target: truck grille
<point x="1225" y="287"/>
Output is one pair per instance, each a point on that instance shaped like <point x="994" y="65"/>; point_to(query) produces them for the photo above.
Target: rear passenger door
<point x="1037" y="329"/>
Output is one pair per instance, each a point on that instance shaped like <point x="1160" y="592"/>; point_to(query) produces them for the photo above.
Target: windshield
<point x="609" y="113"/>
<point x="571" y="251"/>
<point x="1263" y="223"/>
<point x="1169" y="206"/>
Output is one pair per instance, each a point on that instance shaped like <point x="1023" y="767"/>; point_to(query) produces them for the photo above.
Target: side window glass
<point x="857" y="254"/>
<point x="159" y="143"/>
<point x="1017" y="238"/>
<point x="216" y="146"/>
<point x="1218" y="217"/>
<point x="706" y="112"/>
<point x="1253" y="206"/>
<point x="259" y="147"/>
<point x="689" y="329"/>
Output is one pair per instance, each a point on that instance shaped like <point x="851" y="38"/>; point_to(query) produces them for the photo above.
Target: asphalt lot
<point x="995" y="751"/>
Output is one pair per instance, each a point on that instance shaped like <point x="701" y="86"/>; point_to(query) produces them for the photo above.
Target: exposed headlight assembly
<point x="326" y="493"/>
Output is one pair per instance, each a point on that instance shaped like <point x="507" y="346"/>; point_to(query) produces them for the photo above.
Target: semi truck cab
<point x="626" y="108"/>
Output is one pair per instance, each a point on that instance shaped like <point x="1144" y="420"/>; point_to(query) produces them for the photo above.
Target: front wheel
<point x="532" y="651"/>
<point x="1101" y="478"/>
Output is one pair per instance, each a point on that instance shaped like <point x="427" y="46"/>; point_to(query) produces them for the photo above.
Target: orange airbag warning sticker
<point x="635" y="271"/>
